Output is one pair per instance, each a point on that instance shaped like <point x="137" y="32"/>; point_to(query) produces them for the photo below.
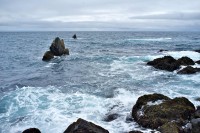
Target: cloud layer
<point x="130" y="15"/>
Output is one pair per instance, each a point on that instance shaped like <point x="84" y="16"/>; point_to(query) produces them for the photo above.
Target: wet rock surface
<point x="83" y="126"/>
<point x="168" y="63"/>
<point x="170" y="127"/>
<point x="155" y="110"/>
<point x="31" y="130"/>
<point x="189" y="70"/>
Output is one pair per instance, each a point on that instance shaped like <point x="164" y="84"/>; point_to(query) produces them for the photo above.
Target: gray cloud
<point x="171" y="15"/>
<point x="99" y="15"/>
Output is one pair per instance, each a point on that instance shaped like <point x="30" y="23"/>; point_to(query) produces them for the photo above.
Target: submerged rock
<point x="57" y="48"/>
<point x="188" y="70"/>
<point x="31" y="130"/>
<point x="83" y="126"/>
<point x="111" y="117"/>
<point x="155" y="110"/>
<point x="161" y="50"/>
<point x="167" y="63"/>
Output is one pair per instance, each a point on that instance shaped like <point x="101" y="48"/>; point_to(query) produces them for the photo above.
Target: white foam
<point x="50" y="64"/>
<point x="155" y="103"/>
<point x="178" y="54"/>
<point x="150" y="39"/>
<point x="50" y="110"/>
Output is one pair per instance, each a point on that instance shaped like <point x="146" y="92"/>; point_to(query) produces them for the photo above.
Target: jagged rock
<point x="198" y="62"/>
<point x="111" y="117"/>
<point x="155" y="110"/>
<point x="83" y="126"/>
<point x="57" y="47"/>
<point x="167" y="63"/>
<point x="170" y="127"/>
<point x="185" y="61"/>
<point x="74" y="36"/>
<point x="188" y="70"/>
<point x="31" y="130"/>
<point x="48" y="56"/>
<point x="195" y="125"/>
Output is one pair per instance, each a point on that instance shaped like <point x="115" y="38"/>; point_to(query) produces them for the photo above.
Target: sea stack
<point x="57" y="48"/>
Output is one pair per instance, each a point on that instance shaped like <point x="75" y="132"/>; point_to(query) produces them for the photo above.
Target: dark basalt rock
<point x="111" y="117"/>
<point x="167" y="63"/>
<point x="31" y="130"/>
<point x="189" y="70"/>
<point x="161" y="50"/>
<point x="170" y="127"/>
<point x="83" y="126"/>
<point x="57" y="48"/>
<point x="48" y="56"/>
<point x="156" y="115"/>
<point x="197" y="51"/>
<point x="185" y="61"/>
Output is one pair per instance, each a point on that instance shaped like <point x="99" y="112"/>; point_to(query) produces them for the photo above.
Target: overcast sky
<point x="97" y="15"/>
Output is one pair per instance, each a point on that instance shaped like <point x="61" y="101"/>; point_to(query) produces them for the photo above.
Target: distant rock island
<point x="57" y="48"/>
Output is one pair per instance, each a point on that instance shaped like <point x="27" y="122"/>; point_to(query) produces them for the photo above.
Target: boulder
<point x="188" y="70"/>
<point x="170" y="127"/>
<point x="185" y="61"/>
<point x="48" y="56"/>
<point x="167" y="63"/>
<point x="57" y="47"/>
<point x="31" y="130"/>
<point x="83" y="126"/>
<point x="155" y="110"/>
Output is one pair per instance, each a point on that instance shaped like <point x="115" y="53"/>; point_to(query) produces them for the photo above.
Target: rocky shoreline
<point x="154" y="111"/>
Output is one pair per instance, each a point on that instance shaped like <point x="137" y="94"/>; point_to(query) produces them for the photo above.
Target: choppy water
<point x="105" y="73"/>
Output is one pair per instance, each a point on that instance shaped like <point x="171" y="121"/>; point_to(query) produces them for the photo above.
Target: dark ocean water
<point x="105" y="73"/>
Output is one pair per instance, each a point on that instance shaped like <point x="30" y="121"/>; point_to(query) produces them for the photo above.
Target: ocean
<point x="104" y="74"/>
